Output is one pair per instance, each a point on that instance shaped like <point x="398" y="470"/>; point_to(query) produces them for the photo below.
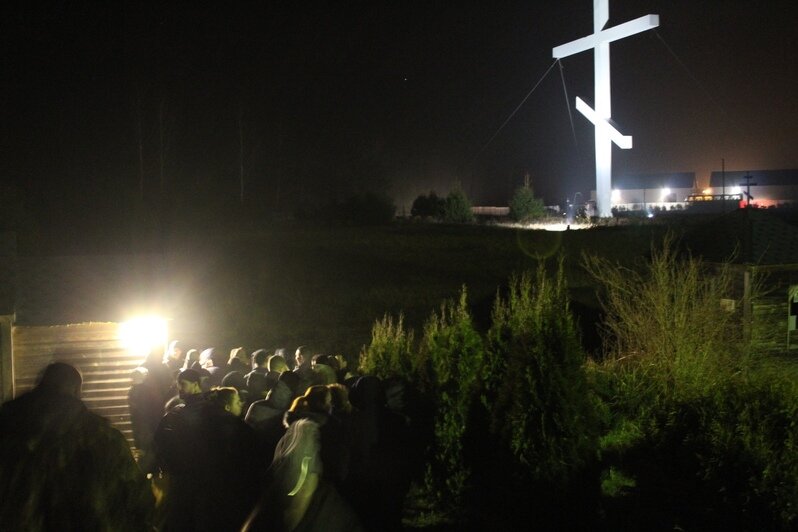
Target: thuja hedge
<point x="512" y="413"/>
<point x="662" y="433"/>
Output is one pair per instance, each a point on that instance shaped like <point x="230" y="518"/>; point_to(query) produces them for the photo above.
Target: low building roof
<point x="760" y="177"/>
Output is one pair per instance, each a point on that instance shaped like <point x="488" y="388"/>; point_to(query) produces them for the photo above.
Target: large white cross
<point x="606" y="134"/>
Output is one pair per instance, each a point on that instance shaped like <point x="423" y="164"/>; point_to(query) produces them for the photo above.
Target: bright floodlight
<point x="616" y="195"/>
<point x="666" y="192"/>
<point x="706" y="191"/>
<point x="140" y="335"/>
<point x="736" y="190"/>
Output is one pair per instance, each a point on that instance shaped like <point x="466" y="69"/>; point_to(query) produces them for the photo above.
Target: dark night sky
<point x="341" y="96"/>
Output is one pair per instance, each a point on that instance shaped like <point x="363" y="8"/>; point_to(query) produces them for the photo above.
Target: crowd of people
<point x="224" y="440"/>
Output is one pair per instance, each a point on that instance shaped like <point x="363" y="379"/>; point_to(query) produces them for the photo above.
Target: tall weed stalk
<point x="665" y="321"/>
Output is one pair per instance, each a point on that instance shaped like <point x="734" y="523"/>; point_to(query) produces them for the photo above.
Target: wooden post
<point x="747" y="305"/>
<point x="6" y="360"/>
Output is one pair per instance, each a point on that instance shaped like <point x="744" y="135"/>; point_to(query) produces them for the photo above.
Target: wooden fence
<point x="95" y="349"/>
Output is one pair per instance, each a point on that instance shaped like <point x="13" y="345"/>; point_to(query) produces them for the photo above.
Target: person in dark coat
<point x="260" y="362"/>
<point x="301" y="494"/>
<point x="214" y="361"/>
<point x="304" y="368"/>
<point x="266" y="418"/>
<point x="65" y="468"/>
<point x="175" y="356"/>
<point x="192" y="356"/>
<point x="238" y="361"/>
<point x="204" y="450"/>
<point x="381" y="466"/>
<point x="189" y="390"/>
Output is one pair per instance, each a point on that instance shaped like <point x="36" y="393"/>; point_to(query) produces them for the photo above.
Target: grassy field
<point x="325" y="285"/>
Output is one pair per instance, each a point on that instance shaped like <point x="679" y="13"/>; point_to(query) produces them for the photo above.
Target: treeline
<point x="677" y="426"/>
<point x="456" y="206"/>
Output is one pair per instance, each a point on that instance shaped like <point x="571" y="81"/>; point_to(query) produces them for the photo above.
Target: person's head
<point x="188" y="383"/>
<point x="260" y="358"/>
<point x="290" y="379"/>
<point x="240" y="354"/>
<point x="235" y="379"/>
<point x="277" y="364"/>
<point x="192" y="355"/>
<point x="228" y="399"/>
<point x="327" y="360"/>
<point x="205" y="377"/>
<point x="174" y="353"/>
<point x="206" y="358"/>
<point x="340" y="398"/>
<point x="257" y="386"/>
<point x="62" y="379"/>
<point x="316" y="399"/>
<point x="302" y="355"/>
<point x="324" y="374"/>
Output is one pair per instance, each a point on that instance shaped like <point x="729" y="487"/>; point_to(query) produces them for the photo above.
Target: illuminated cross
<point x="606" y="134"/>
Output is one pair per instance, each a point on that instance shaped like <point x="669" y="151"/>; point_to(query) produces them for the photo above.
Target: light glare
<point x="140" y="335"/>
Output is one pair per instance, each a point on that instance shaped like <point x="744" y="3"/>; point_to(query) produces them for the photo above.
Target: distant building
<point x="768" y="188"/>
<point x="647" y="192"/>
<point x="727" y="191"/>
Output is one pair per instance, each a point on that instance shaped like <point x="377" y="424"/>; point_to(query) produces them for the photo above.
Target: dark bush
<point x="367" y="209"/>
<point x="429" y="206"/>
<point x="525" y="206"/>
<point x="458" y="207"/>
<point x="359" y="209"/>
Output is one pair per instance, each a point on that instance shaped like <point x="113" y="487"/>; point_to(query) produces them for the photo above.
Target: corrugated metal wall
<point x="95" y="349"/>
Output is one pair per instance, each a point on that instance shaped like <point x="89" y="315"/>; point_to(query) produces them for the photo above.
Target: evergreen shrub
<point x="453" y="354"/>
<point x="524" y="206"/>
<point x="457" y="208"/>
<point x="429" y="206"/>
<point x="535" y="382"/>
<point x="390" y="353"/>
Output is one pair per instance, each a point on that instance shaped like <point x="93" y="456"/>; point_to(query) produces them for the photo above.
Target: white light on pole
<point x="142" y="334"/>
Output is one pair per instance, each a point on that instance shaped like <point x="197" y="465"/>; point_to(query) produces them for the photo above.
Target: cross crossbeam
<point x="622" y="141"/>
<point x="616" y="33"/>
<point x="600" y="117"/>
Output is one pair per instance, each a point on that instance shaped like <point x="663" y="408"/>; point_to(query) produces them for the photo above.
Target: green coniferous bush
<point x="535" y="381"/>
<point x="390" y="353"/>
<point x="524" y="206"/>
<point x="453" y="353"/>
<point x="457" y="208"/>
<point x="429" y="206"/>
